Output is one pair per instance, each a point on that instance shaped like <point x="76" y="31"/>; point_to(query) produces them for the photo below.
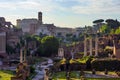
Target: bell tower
<point x="40" y="17"/>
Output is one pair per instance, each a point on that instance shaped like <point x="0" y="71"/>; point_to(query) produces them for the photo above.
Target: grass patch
<point x="102" y="72"/>
<point x="79" y="61"/>
<point x="75" y="76"/>
<point x="6" y="75"/>
<point x="40" y="59"/>
<point x="62" y="75"/>
<point x="92" y="79"/>
<point x="102" y="78"/>
<point x="63" y="61"/>
<point x="32" y="75"/>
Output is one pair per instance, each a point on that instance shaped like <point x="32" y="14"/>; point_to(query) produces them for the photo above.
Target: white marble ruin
<point x="96" y="45"/>
<point x="21" y="55"/>
<point x="61" y="52"/>
<point x="90" y="45"/>
<point x="114" y="48"/>
<point x="72" y="54"/>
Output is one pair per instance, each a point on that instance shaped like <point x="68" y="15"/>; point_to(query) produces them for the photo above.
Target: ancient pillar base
<point x="96" y="55"/>
<point x="85" y="55"/>
<point x="90" y="55"/>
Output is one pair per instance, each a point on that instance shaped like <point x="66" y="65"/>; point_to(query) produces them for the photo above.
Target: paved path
<point x="40" y="72"/>
<point x="101" y="75"/>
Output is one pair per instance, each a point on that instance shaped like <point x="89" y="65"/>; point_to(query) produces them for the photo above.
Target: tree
<point x="98" y="21"/>
<point x="50" y="45"/>
<point x="117" y="31"/>
<point x="112" y="31"/>
<point x="69" y="37"/>
<point x="41" y="35"/>
<point x="81" y="37"/>
<point x="105" y="29"/>
<point x="10" y="49"/>
<point x="35" y="40"/>
<point x="112" y="23"/>
<point x="74" y="38"/>
<point x="22" y="43"/>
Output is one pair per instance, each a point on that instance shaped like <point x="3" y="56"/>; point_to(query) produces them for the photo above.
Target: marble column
<point x="85" y="47"/>
<point x="90" y="40"/>
<point x="24" y="54"/>
<point x="96" y="45"/>
<point x="61" y="52"/>
<point x="21" y="55"/>
<point x="114" y="48"/>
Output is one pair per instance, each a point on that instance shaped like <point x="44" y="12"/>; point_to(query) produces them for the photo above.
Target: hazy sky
<point x="64" y="13"/>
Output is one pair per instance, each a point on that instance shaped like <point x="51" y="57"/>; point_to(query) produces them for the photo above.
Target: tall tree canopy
<point x="98" y="21"/>
<point x="112" y="23"/>
<point x="117" y="31"/>
<point x="50" y="45"/>
<point x="105" y="29"/>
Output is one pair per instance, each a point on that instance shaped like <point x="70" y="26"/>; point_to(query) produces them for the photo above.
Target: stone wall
<point x="118" y="53"/>
<point x="3" y="42"/>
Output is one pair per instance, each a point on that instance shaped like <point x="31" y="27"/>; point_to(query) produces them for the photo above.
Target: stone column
<point x="24" y="54"/>
<point x="61" y="52"/>
<point x="114" y="48"/>
<point x="85" y="47"/>
<point x="46" y="75"/>
<point x="96" y="45"/>
<point x="90" y="46"/>
<point x="72" y="54"/>
<point x="21" y="55"/>
<point x="25" y="50"/>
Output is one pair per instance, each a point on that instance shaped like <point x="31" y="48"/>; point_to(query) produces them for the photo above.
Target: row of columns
<point x="22" y="55"/>
<point x="90" y="46"/>
<point x="61" y="50"/>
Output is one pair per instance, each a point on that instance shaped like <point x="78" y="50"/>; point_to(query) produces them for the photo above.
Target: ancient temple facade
<point x="89" y="41"/>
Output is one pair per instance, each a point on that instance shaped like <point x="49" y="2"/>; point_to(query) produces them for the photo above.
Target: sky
<point x="63" y="13"/>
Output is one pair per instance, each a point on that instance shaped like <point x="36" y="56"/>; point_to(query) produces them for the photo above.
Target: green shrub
<point x="32" y="69"/>
<point x="109" y="64"/>
<point x="56" y="60"/>
<point x="88" y="62"/>
<point x="118" y="73"/>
